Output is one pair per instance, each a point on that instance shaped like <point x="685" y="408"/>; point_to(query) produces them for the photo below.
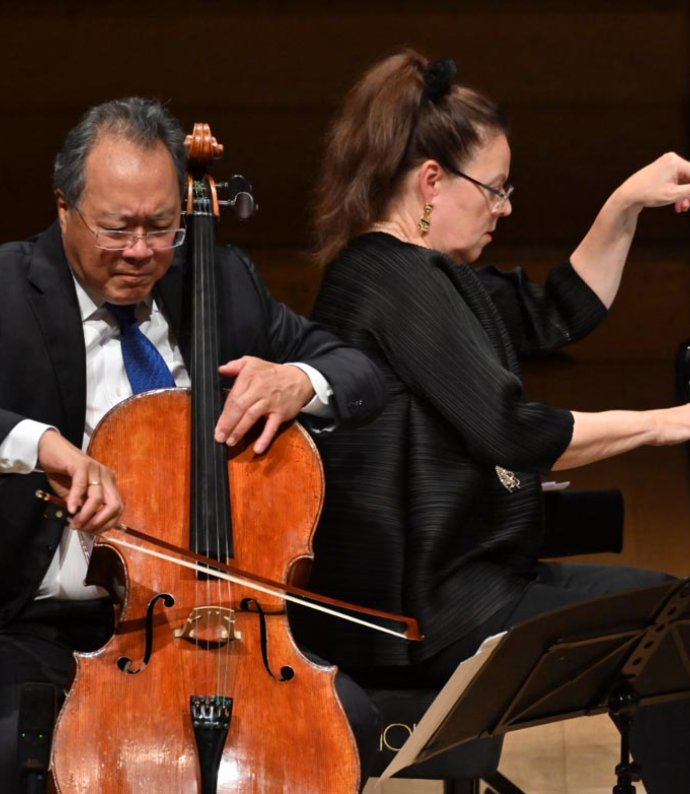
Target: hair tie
<point x="438" y="78"/>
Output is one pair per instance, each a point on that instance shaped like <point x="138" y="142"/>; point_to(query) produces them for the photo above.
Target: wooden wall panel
<point x="651" y="314"/>
<point x="592" y="91"/>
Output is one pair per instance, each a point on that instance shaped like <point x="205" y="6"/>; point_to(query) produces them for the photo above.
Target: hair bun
<point x="438" y="78"/>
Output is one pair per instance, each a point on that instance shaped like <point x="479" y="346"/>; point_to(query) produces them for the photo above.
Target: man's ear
<point x="62" y="208"/>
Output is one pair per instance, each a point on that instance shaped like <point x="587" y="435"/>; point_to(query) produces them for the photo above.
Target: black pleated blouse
<point x="416" y="520"/>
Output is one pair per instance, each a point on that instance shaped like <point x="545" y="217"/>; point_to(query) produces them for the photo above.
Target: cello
<point x="202" y="690"/>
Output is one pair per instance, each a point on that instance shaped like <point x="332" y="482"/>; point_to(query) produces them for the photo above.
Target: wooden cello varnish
<point x="122" y="731"/>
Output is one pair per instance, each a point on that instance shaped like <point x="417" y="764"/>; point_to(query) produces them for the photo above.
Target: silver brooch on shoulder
<point x="508" y="479"/>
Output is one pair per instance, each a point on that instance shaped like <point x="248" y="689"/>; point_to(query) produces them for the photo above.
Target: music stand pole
<point x="623" y="705"/>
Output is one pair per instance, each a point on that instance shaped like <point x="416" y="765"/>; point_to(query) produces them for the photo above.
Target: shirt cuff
<point x="319" y="404"/>
<point x="19" y="450"/>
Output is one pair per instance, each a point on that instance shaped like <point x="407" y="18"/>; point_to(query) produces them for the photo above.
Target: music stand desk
<point x="610" y="654"/>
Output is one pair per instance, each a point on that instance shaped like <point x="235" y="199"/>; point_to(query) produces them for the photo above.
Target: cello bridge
<point x="210" y="627"/>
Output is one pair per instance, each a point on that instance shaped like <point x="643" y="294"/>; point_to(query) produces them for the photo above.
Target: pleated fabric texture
<point x="416" y="520"/>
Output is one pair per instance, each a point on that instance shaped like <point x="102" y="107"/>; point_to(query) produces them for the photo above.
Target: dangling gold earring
<point x="424" y="223"/>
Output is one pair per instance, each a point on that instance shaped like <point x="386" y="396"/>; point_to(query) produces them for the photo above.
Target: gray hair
<point x="144" y="122"/>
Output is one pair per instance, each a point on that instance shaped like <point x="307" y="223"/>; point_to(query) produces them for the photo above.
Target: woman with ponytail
<point x="434" y="510"/>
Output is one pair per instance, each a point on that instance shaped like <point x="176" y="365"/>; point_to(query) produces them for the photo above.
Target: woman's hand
<point x="663" y="182"/>
<point x="601" y="256"/>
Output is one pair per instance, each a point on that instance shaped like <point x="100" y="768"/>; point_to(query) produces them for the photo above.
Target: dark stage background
<point x="593" y="91"/>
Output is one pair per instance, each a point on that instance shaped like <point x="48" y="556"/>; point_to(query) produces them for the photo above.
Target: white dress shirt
<point x="106" y="386"/>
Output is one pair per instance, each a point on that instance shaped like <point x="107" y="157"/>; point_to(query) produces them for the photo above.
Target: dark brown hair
<point x="386" y="127"/>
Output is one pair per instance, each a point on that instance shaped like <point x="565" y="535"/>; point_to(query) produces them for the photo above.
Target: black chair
<point x="584" y="522"/>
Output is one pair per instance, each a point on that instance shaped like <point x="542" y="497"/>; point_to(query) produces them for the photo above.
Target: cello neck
<point x="210" y="516"/>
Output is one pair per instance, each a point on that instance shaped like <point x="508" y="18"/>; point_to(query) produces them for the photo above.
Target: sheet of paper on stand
<point x="439" y="709"/>
<point x="552" y="485"/>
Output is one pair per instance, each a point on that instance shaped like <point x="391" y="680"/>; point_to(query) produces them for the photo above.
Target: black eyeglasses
<point x="499" y="196"/>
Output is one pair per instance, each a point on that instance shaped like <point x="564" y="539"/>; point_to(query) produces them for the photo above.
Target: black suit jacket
<point x="43" y="373"/>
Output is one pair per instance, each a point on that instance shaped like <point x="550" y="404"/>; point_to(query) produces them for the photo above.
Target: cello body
<point x="284" y="736"/>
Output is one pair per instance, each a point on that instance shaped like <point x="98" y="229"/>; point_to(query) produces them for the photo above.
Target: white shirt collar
<point x="89" y="307"/>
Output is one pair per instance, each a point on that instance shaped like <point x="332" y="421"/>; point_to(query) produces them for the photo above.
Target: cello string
<point x="224" y="684"/>
<point x="206" y="327"/>
<point x="200" y="410"/>
<point x="217" y="542"/>
<point x="222" y="538"/>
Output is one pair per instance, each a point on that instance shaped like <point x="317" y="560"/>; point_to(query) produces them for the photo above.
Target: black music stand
<point x="613" y="654"/>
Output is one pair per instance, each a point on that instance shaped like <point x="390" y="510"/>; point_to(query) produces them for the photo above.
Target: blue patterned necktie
<point x="145" y="367"/>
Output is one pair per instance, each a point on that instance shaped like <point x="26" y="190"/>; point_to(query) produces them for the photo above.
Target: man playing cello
<point x="119" y="241"/>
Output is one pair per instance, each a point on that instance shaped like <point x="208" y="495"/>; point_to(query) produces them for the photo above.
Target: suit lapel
<point x="171" y="291"/>
<point x="53" y="300"/>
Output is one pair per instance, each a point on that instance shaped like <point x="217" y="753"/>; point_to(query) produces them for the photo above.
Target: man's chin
<point x="129" y="289"/>
<point x="129" y="294"/>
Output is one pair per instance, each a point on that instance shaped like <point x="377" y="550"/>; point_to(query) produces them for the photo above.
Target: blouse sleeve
<point x="432" y="341"/>
<point x="541" y="319"/>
